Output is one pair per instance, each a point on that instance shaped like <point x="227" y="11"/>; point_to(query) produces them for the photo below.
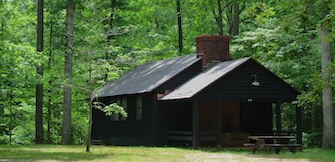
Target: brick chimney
<point x="212" y="49"/>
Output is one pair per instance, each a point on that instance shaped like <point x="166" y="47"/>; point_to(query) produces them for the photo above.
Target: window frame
<point x="124" y="104"/>
<point x="139" y="108"/>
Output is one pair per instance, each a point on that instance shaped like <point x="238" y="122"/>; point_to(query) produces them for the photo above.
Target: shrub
<point x="313" y="139"/>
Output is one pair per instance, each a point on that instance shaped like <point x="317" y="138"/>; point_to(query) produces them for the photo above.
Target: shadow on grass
<point x="39" y="155"/>
<point x="307" y="154"/>
<point x="217" y="149"/>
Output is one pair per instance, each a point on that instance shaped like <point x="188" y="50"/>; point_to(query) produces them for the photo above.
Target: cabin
<point x="202" y="99"/>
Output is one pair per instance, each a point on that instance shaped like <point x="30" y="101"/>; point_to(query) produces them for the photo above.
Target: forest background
<point x="293" y="38"/>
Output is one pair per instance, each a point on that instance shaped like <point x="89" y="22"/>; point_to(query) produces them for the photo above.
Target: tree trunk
<point x="110" y="34"/>
<point x="2" y="23"/>
<point x="180" y="31"/>
<point x="49" y="140"/>
<point x="110" y="21"/>
<point x="11" y="97"/>
<point x="229" y="15"/>
<point x="218" y="17"/>
<point x="327" y="93"/>
<point x="235" y="19"/>
<point x="66" y="131"/>
<point x="49" y="105"/>
<point x="90" y="91"/>
<point x="327" y="104"/>
<point x="39" y="85"/>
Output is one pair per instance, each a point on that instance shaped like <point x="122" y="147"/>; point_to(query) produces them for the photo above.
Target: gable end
<point x="237" y="85"/>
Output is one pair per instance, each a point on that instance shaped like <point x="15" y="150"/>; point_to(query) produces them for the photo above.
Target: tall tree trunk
<point x="66" y="131"/>
<point x="110" y="34"/>
<point x="11" y="97"/>
<point x="39" y="85"/>
<point x="235" y="18"/>
<point x="327" y="93"/>
<point x="49" y="105"/>
<point x="180" y="31"/>
<point x="110" y="21"/>
<point x="2" y="22"/>
<point x="218" y="17"/>
<point x="90" y="96"/>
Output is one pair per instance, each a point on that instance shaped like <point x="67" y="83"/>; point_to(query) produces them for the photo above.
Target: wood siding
<point x="149" y="130"/>
<point x="125" y="132"/>
<point x="237" y="86"/>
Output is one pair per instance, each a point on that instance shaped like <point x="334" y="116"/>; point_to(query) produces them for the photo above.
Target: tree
<point x="39" y="85"/>
<point x="66" y="131"/>
<point x="119" y="39"/>
<point x="233" y="10"/>
<point x="218" y="17"/>
<point x="180" y="31"/>
<point x="90" y="100"/>
<point x="49" y="105"/>
<point x="327" y="93"/>
<point x="233" y="17"/>
<point x="110" y="33"/>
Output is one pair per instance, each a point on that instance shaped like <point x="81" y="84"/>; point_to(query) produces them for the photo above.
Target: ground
<point x="140" y="153"/>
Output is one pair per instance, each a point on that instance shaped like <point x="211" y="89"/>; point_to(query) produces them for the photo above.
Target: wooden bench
<point x="272" y="141"/>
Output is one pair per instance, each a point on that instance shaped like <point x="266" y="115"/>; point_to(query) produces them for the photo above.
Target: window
<point x="124" y="105"/>
<point x="139" y="108"/>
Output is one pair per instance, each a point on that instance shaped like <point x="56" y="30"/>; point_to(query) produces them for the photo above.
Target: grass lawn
<point x="139" y="153"/>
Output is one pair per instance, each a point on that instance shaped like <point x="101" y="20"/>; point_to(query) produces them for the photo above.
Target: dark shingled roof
<point x="146" y="78"/>
<point x="204" y="79"/>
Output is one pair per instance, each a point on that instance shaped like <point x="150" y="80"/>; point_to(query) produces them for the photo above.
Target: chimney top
<point x="212" y="37"/>
<point x="212" y="48"/>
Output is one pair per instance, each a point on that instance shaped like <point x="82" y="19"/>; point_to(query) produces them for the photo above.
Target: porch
<point x="223" y="123"/>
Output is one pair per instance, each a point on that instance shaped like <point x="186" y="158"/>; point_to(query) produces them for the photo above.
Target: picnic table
<point x="272" y="141"/>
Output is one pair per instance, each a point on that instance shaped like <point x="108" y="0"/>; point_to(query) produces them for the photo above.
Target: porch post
<point x="218" y="123"/>
<point x="298" y="121"/>
<point x="278" y="118"/>
<point x="195" y="123"/>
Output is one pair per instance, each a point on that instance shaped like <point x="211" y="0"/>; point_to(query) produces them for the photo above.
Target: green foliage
<point x="114" y="108"/>
<point x="111" y="109"/>
<point x="282" y="35"/>
<point x="312" y="139"/>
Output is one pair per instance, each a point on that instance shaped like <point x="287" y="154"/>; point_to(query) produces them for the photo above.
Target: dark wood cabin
<point x="204" y="99"/>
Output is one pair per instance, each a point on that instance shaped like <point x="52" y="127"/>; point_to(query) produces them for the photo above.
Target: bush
<point x="313" y="139"/>
<point x="4" y="139"/>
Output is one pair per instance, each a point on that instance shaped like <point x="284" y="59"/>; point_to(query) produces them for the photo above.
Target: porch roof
<point x="204" y="79"/>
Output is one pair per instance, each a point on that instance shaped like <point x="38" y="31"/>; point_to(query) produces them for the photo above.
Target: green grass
<point x="140" y="153"/>
<point x="315" y="154"/>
